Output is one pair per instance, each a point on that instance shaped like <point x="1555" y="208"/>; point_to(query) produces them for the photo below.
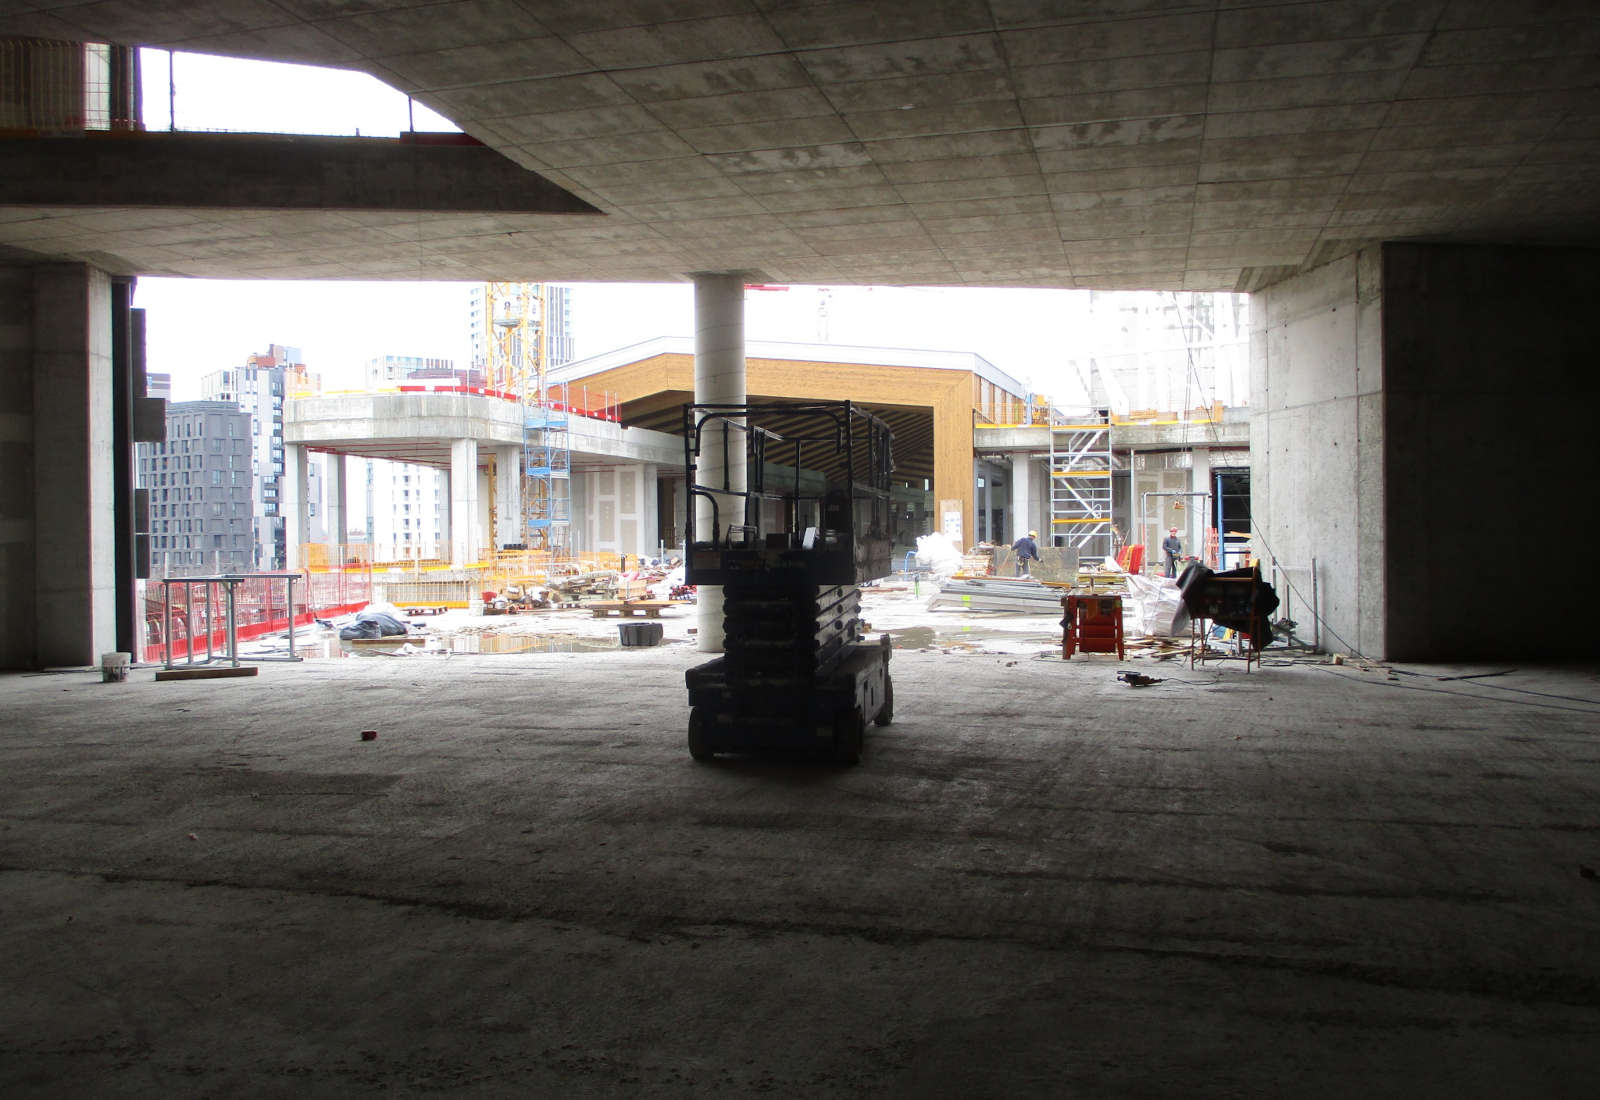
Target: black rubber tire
<point x="699" y="747"/>
<point x="850" y="734"/>
<point x="886" y="712"/>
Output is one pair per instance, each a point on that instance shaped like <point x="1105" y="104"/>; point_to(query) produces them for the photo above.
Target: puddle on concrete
<point x="911" y="637"/>
<point x="482" y="642"/>
<point x="491" y="642"/>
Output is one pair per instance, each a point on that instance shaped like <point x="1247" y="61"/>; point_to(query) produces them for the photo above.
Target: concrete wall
<point x="614" y="509"/>
<point x="57" y="549"/>
<point x="16" y="467"/>
<point x="1491" y="385"/>
<point x="1317" y="446"/>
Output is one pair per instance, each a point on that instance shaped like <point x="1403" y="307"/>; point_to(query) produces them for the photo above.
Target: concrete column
<point x="508" y="495"/>
<point x="719" y="377"/>
<point x="295" y="506"/>
<point x="1204" y="514"/>
<point x="68" y="583"/>
<point x="1021" y="504"/>
<point x="446" y="515"/>
<point x="649" y="510"/>
<point x="336" y="509"/>
<point x="465" y="539"/>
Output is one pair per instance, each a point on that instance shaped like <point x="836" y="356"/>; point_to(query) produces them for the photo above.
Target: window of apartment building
<point x="216" y="477"/>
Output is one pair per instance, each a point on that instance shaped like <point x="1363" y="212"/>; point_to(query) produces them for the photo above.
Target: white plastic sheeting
<point x="936" y="554"/>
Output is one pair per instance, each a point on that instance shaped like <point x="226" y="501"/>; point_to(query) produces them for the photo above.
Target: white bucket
<point x="114" y="667"/>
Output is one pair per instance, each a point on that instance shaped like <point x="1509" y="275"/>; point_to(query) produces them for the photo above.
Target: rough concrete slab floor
<point x="1300" y="881"/>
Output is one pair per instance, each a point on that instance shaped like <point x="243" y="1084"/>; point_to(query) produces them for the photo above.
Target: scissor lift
<point x="789" y="549"/>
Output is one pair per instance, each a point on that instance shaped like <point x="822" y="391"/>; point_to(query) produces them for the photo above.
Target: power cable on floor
<point x="1500" y="687"/>
<point x="1465" y="694"/>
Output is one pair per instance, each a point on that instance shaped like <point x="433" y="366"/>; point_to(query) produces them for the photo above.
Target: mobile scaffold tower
<point x="519" y="366"/>
<point x="1080" y="486"/>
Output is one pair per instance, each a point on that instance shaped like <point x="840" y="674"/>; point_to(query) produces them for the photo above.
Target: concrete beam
<point x="272" y="172"/>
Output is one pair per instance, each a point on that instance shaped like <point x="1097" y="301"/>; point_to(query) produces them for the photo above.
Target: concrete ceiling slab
<point x="1167" y="144"/>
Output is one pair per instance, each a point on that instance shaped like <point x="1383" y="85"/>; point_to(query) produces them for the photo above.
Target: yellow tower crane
<point x="517" y="364"/>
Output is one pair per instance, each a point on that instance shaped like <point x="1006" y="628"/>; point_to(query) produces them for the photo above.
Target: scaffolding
<point x="518" y="365"/>
<point x="1080" y="487"/>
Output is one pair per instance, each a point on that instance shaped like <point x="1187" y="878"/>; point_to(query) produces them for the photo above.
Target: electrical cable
<point x="1463" y="694"/>
<point x="1499" y="687"/>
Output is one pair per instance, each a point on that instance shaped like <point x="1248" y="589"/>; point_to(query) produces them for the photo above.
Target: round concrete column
<point x="718" y="379"/>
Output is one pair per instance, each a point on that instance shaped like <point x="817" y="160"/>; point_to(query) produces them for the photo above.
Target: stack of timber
<point x="997" y="594"/>
<point x="785" y="635"/>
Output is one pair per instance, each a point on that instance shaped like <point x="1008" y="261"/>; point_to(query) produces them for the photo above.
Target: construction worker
<point x="1171" y="546"/>
<point x="1027" y="550"/>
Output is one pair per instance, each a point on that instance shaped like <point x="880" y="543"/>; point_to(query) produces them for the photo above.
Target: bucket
<point x="639" y="634"/>
<point x="114" y="667"/>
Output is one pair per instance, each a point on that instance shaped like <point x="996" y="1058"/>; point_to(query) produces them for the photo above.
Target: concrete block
<point x="893" y="93"/>
<point x="915" y="57"/>
<point x="1117" y="179"/>
<point x="1304" y="91"/>
<point x="925" y="171"/>
<point x="810" y="27"/>
<point x="1180" y="99"/>
<point x="1113" y="74"/>
<point x="784" y="133"/>
<point x="1107" y="39"/>
<point x="685" y="40"/>
<point x="1262" y="25"/>
<point x="938" y="118"/>
<point x="955" y="190"/>
<point x="944" y="146"/>
<point x="1121" y="156"/>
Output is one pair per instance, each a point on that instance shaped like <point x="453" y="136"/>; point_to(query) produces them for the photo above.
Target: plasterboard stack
<point x="996" y="594"/>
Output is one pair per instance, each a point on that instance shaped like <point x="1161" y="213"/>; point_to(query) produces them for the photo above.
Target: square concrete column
<point x="337" y="507"/>
<point x="295" y="506"/>
<point x="70" y="578"/>
<point x="719" y="378"/>
<point x="1205" y="508"/>
<point x="465" y="537"/>
<point x="1021" y="492"/>
<point x="649" y="510"/>
<point x="508" y="494"/>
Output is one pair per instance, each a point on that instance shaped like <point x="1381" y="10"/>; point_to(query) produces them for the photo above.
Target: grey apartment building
<point x="200" y="491"/>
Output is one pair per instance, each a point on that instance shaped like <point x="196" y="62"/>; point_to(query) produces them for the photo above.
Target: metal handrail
<point x="227" y="585"/>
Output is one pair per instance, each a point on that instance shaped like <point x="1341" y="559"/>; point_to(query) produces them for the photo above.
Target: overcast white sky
<point x="197" y="326"/>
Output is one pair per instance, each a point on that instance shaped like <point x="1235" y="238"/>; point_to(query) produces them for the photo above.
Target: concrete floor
<point x="1301" y="881"/>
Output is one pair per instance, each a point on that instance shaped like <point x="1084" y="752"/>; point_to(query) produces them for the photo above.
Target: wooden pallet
<point x="629" y="609"/>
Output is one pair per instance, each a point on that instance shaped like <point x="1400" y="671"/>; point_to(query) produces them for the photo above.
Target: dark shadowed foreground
<point x="1302" y="881"/>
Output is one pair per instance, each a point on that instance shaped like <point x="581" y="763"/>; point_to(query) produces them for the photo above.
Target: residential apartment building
<point x="258" y="387"/>
<point x="397" y="508"/>
<point x="386" y="371"/>
<point x="199" y="481"/>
